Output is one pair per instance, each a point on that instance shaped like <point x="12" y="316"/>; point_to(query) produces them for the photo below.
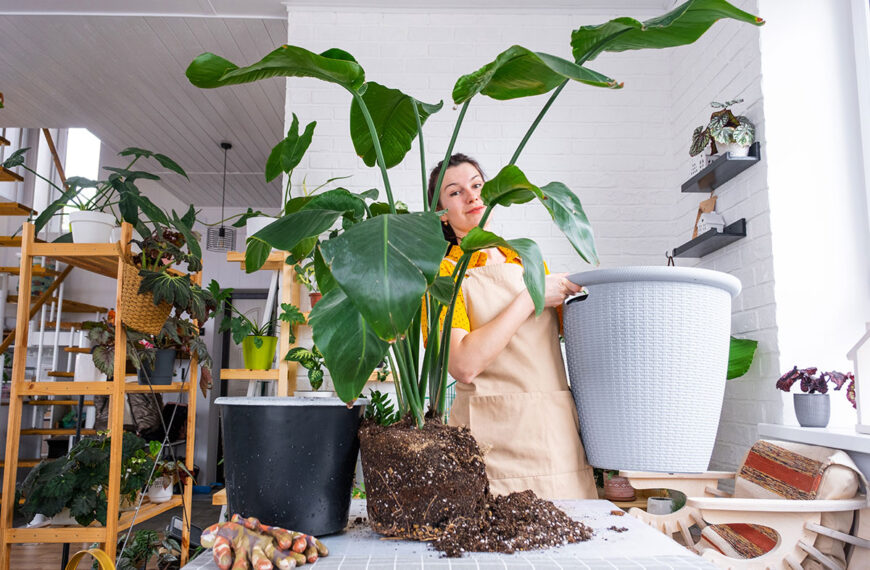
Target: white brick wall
<point x="723" y="65"/>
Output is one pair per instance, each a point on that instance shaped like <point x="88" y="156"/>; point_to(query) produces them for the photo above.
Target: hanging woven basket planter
<point x="140" y="312"/>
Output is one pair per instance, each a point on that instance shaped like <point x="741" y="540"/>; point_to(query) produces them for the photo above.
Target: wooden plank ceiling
<point x="122" y="77"/>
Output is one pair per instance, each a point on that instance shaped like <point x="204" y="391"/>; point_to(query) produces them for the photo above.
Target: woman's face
<point x="460" y="196"/>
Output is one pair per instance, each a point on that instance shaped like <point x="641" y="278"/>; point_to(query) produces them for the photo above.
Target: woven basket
<point x="647" y="357"/>
<point x="139" y="312"/>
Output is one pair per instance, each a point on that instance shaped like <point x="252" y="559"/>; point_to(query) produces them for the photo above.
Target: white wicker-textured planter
<point x="647" y="357"/>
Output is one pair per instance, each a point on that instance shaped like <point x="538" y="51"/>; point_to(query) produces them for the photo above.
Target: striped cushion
<point x="739" y="540"/>
<point x="782" y="472"/>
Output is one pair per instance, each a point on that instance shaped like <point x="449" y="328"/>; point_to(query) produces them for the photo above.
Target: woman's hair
<point x="454" y="160"/>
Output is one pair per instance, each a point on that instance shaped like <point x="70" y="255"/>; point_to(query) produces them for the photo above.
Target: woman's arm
<point x="472" y="352"/>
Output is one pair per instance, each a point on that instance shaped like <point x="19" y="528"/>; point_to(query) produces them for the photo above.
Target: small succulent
<point x="724" y="128"/>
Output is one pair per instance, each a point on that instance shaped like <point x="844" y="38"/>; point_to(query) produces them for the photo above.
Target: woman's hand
<point x="558" y="288"/>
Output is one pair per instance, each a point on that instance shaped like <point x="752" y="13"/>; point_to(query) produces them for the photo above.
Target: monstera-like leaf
<point x="392" y="113"/>
<point x="384" y="266"/>
<point x="682" y="25"/>
<point x="350" y="347"/>
<point x="519" y="72"/>
<point x="533" y="264"/>
<point x="334" y="66"/>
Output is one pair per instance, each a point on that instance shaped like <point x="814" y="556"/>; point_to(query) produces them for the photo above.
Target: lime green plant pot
<point x="259" y="358"/>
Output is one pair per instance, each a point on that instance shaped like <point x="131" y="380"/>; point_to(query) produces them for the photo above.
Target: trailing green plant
<point x="291" y="315"/>
<point x="724" y="128"/>
<point x="79" y="479"/>
<point x="117" y="194"/>
<point x="101" y="334"/>
<point x="380" y="409"/>
<point x="312" y="360"/>
<point x="145" y="545"/>
<point x="377" y="269"/>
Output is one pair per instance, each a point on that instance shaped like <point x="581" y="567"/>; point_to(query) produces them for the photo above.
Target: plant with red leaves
<point x="811" y="384"/>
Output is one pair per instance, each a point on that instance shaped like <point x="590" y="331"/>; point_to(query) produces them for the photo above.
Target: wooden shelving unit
<point x="107" y="260"/>
<point x="285" y="374"/>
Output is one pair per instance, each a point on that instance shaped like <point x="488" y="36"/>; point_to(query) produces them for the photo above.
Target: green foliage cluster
<point x="380" y="409"/>
<point x="241" y="326"/>
<point x="724" y="128"/>
<point x="101" y="335"/>
<point x="79" y="480"/>
<point x="312" y="360"/>
<point x="143" y="546"/>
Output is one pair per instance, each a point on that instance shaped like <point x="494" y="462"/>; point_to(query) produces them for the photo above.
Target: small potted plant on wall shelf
<point x="725" y="132"/>
<point x="813" y="407"/>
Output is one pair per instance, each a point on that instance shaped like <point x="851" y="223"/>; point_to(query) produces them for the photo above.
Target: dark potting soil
<point x="431" y="484"/>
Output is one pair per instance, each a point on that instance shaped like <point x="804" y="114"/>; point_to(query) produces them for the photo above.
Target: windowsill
<point x="843" y="438"/>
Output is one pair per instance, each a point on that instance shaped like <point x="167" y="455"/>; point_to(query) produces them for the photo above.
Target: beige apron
<point x="521" y="405"/>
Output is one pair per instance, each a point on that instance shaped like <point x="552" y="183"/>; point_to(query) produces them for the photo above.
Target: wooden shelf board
<point x="14" y="209"/>
<point x="57" y="431"/>
<point x="711" y="240"/>
<point x="147" y="511"/>
<point x="220" y="497"/>
<point x="69" y="306"/>
<point x="14" y="241"/>
<point x="24" y="462"/>
<point x="56" y="534"/>
<point x="77" y="350"/>
<point x="163" y="388"/>
<point x="38" y="271"/>
<point x="7" y="175"/>
<point x="100" y="258"/>
<point x="274" y="262"/>
<point x="64" y="325"/>
<point x="4" y="141"/>
<point x="57" y="403"/>
<point x="56" y="374"/>
<point x="245" y="374"/>
<point x="65" y="388"/>
<point x="722" y="170"/>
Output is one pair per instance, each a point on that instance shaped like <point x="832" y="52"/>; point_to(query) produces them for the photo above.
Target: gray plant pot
<point x="812" y="410"/>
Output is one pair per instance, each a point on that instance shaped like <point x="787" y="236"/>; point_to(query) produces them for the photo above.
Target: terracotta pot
<point x="618" y="488"/>
<point x="314" y="297"/>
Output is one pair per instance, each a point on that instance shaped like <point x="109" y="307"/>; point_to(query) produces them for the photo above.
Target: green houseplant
<point x="78" y="481"/>
<point x="725" y="132"/>
<point x="356" y="325"/>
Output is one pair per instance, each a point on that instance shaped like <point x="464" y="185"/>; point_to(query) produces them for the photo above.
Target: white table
<point x="640" y="548"/>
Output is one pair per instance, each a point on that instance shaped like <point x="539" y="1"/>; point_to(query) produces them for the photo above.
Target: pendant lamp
<point x="222" y="238"/>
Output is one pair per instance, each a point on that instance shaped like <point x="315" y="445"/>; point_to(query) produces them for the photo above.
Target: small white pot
<point x="734" y="148"/>
<point x="116" y="236"/>
<point x="63" y="518"/>
<point x="91" y="227"/>
<point x="157" y="493"/>
<point x="253" y="225"/>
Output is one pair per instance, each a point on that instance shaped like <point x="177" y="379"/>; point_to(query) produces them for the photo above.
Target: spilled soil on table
<point x="430" y="484"/>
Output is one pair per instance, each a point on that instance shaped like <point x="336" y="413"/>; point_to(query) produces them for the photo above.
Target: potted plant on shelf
<point x="94" y="201"/>
<point x="143" y="547"/>
<point x="101" y="335"/>
<point x="356" y="324"/>
<point x="725" y="132"/>
<point x="813" y="407"/>
<point x="167" y="472"/>
<point x="78" y="481"/>
<point x="312" y="360"/>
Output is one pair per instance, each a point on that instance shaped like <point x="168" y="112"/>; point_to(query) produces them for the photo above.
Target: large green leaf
<point x="385" y="265"/>
<point x="285" y="233"/>
<point x="519" y="72"/>
<point x="350" y="347"/>
<point x="565" y="208"/>
<point x="209" y="70"/>
<point x="510" y="186"/>
<point x="534" y="273"/>
<point x="339" y="200"/>
<point x="288" y="153"/>
<point x="325" y="280"/>
<point x="740" y="355"/>
<point x="392" y="113"/>
<point x="682" y="25"/>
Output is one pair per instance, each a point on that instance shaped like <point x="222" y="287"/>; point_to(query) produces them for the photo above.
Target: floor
<point x="48" y="556"/>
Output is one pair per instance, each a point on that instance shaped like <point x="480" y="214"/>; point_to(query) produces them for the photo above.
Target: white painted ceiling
<point x="116" y="67"/>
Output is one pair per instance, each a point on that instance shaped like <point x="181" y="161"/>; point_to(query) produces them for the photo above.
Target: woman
<point x="511" y="388"/>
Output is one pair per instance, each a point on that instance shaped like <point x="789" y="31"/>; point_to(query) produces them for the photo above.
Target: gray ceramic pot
<point x="812" y="410"/>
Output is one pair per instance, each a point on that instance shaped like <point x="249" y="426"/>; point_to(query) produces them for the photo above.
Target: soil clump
<point x="430" y="484"/>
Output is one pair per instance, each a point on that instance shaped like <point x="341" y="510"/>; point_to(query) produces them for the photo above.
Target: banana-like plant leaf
<point x="740" y="355"/>
<point x="392" y="113"/>
<point x="167" y="162"/>
<point x="681" y="26"/>
<point x="340" y="200"/>
<point x="519" y="72"/>
<point x="442" y="289"/>
<point x="209" y="70"/>
<point x="565" y="208"/>
<point x="510" y="186"/>
<point x="287" y="154"/>
<point x="534" y="273"/>
<point x="285" y="233"/>
<point x="385" y="264"/>
<point x="351" y="349"/>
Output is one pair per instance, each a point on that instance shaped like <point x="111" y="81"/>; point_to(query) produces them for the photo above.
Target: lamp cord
<point x="224" y="191"/>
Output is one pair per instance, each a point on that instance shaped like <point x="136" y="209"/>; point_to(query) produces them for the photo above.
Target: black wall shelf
<point x="711" y="240"/>
<point x="722" y="170"/>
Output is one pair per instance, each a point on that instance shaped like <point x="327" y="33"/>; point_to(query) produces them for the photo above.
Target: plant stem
<point x="437" y="194"/>
<point x="459" y="275"/>
<point x="373" y="132"/>
<point x="537" y="121"/>
<point x="422" y="154"/>
<point x="403" y="404"/>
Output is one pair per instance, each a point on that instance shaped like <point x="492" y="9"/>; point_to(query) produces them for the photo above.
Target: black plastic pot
<point x="290" y="461"/>
<point x="164" y="366"/>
